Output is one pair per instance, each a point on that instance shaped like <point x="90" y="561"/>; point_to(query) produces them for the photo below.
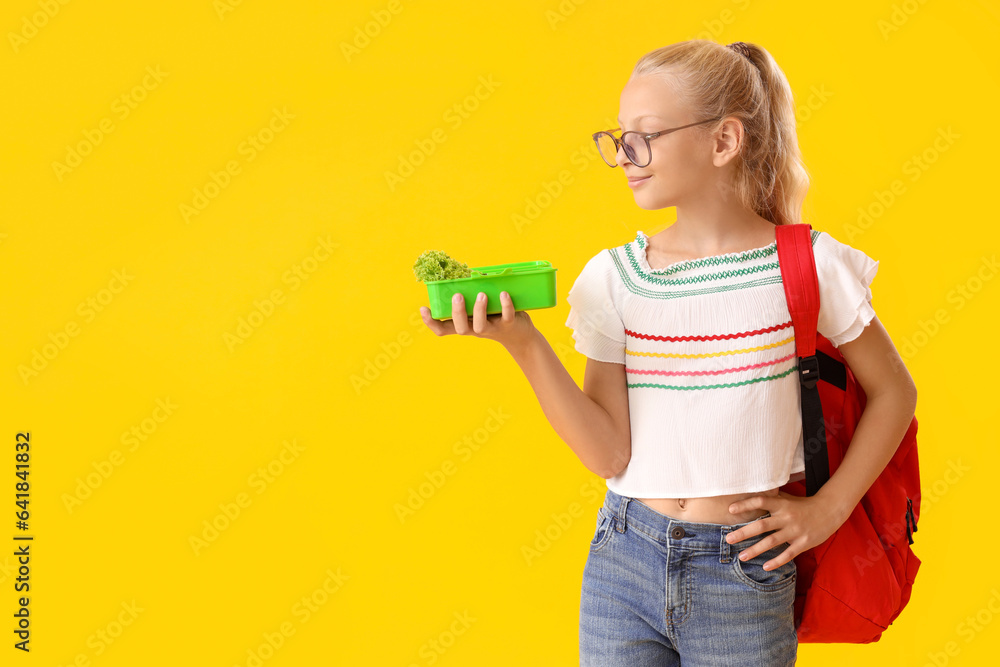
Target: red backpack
<point x="851" y="587"/>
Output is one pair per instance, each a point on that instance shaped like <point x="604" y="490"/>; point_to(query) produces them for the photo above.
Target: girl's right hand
<point x="512" y="329"/>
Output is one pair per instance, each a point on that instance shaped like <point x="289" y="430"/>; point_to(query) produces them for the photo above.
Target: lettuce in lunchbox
<point x="437" y="265"/>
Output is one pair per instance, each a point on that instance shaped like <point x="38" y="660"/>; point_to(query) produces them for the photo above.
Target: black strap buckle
<point x="911" y="521"/>
<point x="809" y="371"/>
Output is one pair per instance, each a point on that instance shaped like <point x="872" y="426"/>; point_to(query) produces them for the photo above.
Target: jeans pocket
<point x="752" y="573"/>
<point x="605" y="527"/>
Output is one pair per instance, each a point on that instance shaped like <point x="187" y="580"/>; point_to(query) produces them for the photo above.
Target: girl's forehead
<point x="649" y="98"/>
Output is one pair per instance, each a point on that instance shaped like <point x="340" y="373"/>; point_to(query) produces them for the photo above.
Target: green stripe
<point x="694" y="279"/>
<point x="656" y="280"/>
<point x="713" y="386"/>
<point x="759" y="253"/>
<point x="641" y="291"/>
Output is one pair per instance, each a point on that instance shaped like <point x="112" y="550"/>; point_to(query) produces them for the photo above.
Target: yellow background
<point x="876" y="85"/>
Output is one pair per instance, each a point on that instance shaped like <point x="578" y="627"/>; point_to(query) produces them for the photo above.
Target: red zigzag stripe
<point x="743" y="334"/>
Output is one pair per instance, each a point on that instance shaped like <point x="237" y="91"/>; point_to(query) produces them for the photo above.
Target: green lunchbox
<point x="531" y="285"/>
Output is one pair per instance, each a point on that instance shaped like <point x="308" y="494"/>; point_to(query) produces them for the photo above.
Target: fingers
<point x="459" y="317"/>
<point x="461" y="323"/>
<point x="506" y="308"/>
<point x="747" y="504"/>
<point x="439" y="328"/>
<point x="788" y="554"/>
<point x="746" y="532"/>
<point x="479" y="313"/>
<point x="768" y="542"/>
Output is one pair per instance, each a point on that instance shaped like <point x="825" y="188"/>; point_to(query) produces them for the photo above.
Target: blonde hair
<point x="712" y="81"/>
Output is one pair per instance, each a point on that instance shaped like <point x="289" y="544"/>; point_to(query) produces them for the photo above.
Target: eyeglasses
<point x="636" y="144"/>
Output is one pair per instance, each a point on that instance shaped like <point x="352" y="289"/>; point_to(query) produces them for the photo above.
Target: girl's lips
<point x="638" y="181"/>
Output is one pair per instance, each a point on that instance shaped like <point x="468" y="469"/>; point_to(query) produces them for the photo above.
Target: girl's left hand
<point x="801" y="521"/>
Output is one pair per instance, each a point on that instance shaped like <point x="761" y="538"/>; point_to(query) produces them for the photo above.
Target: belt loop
<point x="725" y="548"/>
<point x="620" y="524"/>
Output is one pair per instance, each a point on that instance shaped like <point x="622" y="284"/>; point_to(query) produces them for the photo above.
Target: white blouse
<point x="709" y="354"/>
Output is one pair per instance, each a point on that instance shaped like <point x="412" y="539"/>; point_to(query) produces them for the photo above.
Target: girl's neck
<point x="704" y="238"/>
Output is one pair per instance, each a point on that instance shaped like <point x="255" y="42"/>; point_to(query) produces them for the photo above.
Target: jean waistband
<point x="688" y="535"/>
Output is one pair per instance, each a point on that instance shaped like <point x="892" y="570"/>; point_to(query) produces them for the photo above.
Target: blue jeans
<point x="660" y="591"/>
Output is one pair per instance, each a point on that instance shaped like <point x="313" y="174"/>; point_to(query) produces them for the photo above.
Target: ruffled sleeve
<point x="595" y="311"/>
<point x="845" y="298"/>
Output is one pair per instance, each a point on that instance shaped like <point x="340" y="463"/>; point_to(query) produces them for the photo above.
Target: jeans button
<point x="677" y="532"/>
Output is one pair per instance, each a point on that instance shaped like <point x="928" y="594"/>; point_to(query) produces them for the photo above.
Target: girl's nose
<point x="620" y="157"/>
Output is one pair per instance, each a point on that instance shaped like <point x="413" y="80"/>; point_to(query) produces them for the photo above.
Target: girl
<point x="690" y="406"/>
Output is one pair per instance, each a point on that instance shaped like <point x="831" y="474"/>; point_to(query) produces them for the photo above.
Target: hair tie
<point x="741" y="47"/>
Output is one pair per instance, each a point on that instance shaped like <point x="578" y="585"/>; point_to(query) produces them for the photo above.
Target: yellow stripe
<point x="709" y="354"/>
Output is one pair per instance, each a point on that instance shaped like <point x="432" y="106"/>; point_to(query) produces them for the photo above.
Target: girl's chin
<point x="651" y="202"/>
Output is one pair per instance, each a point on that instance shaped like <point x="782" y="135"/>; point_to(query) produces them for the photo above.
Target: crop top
<point x="709" y="354"/>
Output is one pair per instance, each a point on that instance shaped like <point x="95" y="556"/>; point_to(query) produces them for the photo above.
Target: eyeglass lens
<point x="636" y="149"/>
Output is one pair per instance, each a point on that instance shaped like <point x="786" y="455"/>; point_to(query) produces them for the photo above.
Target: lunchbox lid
<point x="509" y="269"/>
<point x="499" y="270"/>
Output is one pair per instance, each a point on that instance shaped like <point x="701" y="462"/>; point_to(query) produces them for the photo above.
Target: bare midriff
<point x="711" y="509"/>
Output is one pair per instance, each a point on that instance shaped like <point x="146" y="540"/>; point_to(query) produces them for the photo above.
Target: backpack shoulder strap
<point x="798" y="276"/>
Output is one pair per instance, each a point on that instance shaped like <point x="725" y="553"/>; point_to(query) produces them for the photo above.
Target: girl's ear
<point x="727" y="141"/>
